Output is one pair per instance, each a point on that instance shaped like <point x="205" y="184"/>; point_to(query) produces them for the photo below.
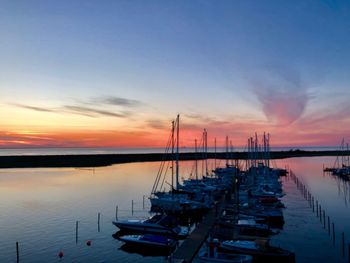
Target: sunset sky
<point x="115" y="73"/>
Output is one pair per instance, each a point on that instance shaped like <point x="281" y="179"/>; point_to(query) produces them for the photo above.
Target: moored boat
<point x="261" y="252"/>
<point x="225" y="258"/>
<point x="149" y="240"/>
<point x="158" y="224"/>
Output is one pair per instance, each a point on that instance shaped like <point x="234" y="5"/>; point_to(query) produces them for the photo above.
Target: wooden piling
<point x="320" y="209"/>
<point x="17" y="252"/>
<point x="324" y="219"/>
<point x="343" y="243"/>
<point x="116" y="213"/>
<point x="329" y="227"/>
<point x="76" y="231"/>
<point x="98" y="221"/>
<point x="313" y="204"/>
<point x="317" y="208"/>
<point x="333" y="228"/>
<point x="143" y="202"/>
<point x="132" y="207"/>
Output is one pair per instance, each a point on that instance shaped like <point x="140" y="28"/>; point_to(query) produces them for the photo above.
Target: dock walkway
<point x="190" y="247"/>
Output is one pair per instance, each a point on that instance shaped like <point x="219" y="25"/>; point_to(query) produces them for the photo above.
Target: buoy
<point x="88" y="242"/>
<point x="60" y="254"/>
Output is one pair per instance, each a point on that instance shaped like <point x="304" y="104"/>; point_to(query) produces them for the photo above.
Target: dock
<point x="187" y="251"/>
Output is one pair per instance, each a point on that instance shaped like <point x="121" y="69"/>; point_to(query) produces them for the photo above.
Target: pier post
<point x="98" y="221"/>
<point x="313" y="204"/>
<point x="320" y="214"/>
<point x="324" y="219"/>
<point x="132" y="207"/>
<point x="333" y="228"/>
<point x="143" y="202"/>
<point x="343" y="243"/>
<point x="116" y="213"/>
<point x="317" y="208"/>
<point x="17" y="252"/>
<point x="76" y="231"/>
<point x="329" y="227"/>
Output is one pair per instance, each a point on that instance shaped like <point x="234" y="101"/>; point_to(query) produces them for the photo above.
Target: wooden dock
<point x="187" y="251"/>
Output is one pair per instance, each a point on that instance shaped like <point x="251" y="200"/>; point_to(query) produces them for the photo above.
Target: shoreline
<point x="98" y="160"/>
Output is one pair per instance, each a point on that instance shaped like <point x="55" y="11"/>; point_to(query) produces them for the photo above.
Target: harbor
<point x="49" y="226"/>
<point x="200" y="210"/>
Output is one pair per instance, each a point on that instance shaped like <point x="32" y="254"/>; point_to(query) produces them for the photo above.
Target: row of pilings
<point x="88" y="242"/>
<point x="320" y="212"/>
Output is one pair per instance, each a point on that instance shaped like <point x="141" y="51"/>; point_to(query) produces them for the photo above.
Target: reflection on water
<point x="39" y="208"/>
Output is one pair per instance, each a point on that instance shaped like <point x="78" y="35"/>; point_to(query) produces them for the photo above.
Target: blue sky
<point x="277" y="62"/>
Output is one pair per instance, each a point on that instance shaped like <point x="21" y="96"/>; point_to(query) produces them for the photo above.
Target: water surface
<point x="39" y="208"/>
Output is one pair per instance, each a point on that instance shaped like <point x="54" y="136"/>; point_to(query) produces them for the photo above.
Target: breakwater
<point x="96" y="160"/>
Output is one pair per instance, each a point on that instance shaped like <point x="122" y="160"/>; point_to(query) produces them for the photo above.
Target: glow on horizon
<point x="114" y="74"/>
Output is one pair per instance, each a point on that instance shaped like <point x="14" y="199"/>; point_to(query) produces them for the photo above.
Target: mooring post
<point x="324" y="219"/>
<point x="320" y="214"/>
<point x="76" y="231"/>
<point x="333" y="228"/>
<point x="116" y="213"/>
<point x="17" y="252"/>
<point x="313" y="204"/>
<point x="343" y="243"/>
<point x="143" y="202"/>
<point x="132" y="207"/>
<point x="329" y="227"/>
<point x="98" y="221"/>
<point x="317" y="208"/>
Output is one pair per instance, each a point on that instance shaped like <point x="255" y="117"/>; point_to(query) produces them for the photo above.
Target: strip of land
<point x="96" y="160"/>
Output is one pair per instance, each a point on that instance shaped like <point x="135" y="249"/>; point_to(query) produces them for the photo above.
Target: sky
<point x="116" y="73"/>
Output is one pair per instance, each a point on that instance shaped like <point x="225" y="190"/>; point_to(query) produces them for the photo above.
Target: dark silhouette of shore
<point x="96" y="160"/>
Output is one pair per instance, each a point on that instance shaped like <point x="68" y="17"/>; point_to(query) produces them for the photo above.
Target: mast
<point x="226" y="151"/>
<point x="215" y="153"/>
<point x="172" y="154"/>
<point x="206" y="151"/>
<point x="268" y="150"/>
<point x="196" y="162"/>
<point x="177" y="150"/>
<point x="347" y="149"/>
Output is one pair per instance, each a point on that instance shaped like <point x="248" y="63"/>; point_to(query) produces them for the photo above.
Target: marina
<point x="104" y="188"/>
<point x="96" y="165"/>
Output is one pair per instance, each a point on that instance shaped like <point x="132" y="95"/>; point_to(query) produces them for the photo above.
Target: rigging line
<point x="156" y="182"/>
<point x="166" y="170"/>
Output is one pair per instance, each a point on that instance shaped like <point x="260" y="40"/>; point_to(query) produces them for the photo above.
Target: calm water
<point x="39" y="208"/>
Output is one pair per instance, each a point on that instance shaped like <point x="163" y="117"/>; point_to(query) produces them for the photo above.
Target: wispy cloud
<point x="91" y="108"/>
<point x="35" y="108"/>
<point x="282" y="94"/>
<point x="117" y="101"/>
<point x="92" y="112"/>
<point x="157" y="124"/>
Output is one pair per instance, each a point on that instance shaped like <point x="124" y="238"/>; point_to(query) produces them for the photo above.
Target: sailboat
<point x="176" y="200"/>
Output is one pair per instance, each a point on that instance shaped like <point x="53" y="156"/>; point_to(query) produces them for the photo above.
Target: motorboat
<point x="224" y="258"/>
<point x="261" y="251"/>
<point x="149" y="240"/>
<point x="158" y="224"/>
